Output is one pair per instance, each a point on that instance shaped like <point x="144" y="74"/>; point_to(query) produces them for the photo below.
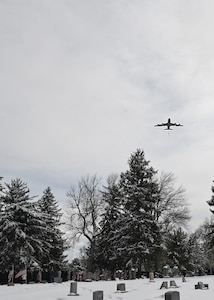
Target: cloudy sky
<point x="83" y="83"/>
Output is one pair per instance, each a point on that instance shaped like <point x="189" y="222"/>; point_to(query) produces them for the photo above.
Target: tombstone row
<point x="98" y="295"/>
<point x="165" y="284"/>
<point x="121" y="288"/>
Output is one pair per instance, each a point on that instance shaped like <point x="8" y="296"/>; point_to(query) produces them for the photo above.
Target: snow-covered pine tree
<point x="1" y="187"/>
<point x="106" y="245"/>
<point x="139" y="232"/>
<point x="198" y="251"/>
<point x="177" y="246"/>
<point x="21" y="227"/>
<point x="53" y="234"/>
<point x="211" y="201"/>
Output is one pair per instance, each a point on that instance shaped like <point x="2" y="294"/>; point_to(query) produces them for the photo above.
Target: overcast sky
<point x="84" y="82"/>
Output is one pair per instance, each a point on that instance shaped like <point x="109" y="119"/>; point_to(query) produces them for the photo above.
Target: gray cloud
<point x="83" y="83"/>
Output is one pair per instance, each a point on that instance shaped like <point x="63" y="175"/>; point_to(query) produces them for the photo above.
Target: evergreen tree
<point x="53" y="235"/>
<point x="211" y="201"/>
<point x="1" y="187"/>
<point x="107" y="255"/>
<point x="197" y="251"/>
<point x="21" y="227"/>
<point x="177" y="249"/>
<point x="139" y="237"/>
<point x="210" y="227"/>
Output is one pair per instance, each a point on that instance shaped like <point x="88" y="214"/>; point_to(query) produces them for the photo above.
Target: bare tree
<point x="84" y="212"/>
<point x="172" y="207"/>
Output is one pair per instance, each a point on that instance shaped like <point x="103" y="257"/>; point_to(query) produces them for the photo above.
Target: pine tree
<point x="107" y="255"/>
<point x="139" y="233"/>
<point x="211" y="201"/>
<point x="178" y="249"/>
<point x="21" y="227"/>
<point x="52" y="235"/>
<point x="197" y="251"/>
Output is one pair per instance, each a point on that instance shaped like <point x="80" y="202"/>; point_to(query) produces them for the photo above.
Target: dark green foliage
<point x="54" y="237"/>
<point x="21" y="227"/>
<point x="106" y="245"/>
<point x="129" y="230"/>
<point x="29" y="230"/>
<point x="211" y="201"/>
<point x="139" y="190"/>
<point x="178" y="249"/>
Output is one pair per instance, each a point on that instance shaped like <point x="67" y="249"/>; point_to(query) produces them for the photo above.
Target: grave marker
<point x="73" y="289"/>
<point x="164" y="285"/>
<point x="151" y="276"/>
<point x="121" y="287"/>
<point x="98" y="295"/>
<point x="173" y="284"/>
<point x="173" y="295"/>
<point x="201" y="286"/>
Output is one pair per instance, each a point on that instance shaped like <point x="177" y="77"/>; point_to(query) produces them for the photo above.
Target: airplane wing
<point x="163" y="124"/>
<point x="175" y="124"/>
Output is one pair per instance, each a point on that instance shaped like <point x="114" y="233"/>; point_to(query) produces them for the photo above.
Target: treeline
<point x="139" y="219"/>
<point x="30" y="234"/>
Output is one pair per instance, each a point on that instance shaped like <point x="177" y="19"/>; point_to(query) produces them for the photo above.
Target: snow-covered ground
<point x="139" y="289"/>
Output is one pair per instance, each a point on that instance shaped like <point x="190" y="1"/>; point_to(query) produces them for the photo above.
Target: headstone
<point x="88" y="277"/>
<point x="132" y="274"/>
<point x="173" y="284"/>
<point x="58" y="279"/>
<point x="98" y="295"/>
<point x="173" y="295"/>
<point x="165" y="271"/>
<point x="73" y="289"/>
<point x="175" y="271"/>
<point x="10" y="284"/>
<point x="201" y="286"/>
<point x="121" y="287"/>
<point x="164" y="285"/>
<point x="151" y="276"/>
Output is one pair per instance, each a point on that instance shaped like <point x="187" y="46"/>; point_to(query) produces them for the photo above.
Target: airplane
<point x="168" y="125"/>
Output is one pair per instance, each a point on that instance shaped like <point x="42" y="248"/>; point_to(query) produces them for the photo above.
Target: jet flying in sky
<point x="168" y="124"/>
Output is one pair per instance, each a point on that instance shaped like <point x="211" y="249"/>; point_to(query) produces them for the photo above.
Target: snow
<point x="139" y="289"/>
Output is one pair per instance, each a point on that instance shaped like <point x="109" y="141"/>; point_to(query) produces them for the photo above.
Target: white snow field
<point x="139" y="289"/>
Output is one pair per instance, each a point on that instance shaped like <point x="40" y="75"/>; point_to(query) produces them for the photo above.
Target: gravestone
<point x="165" y="271"/>
<point x="164" y="285"/>
<point x="10" y="284"/>
<point x="132" y="274"/>
<point x="173" y="295"/>
<point x="201" y="286"/>
<point x="58" y="279"/>
<point x="73" y="289"/>
<point x="121" y="287"/>
<point x="98" y="295"/>
<point x="89" y="276"/>
<point x="173" y="284"/>
<point x="151" y="276"/>
<point x="175" y="271"/>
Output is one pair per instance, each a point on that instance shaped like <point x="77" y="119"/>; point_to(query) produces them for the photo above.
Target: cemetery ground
<point x="138" y="289"/>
